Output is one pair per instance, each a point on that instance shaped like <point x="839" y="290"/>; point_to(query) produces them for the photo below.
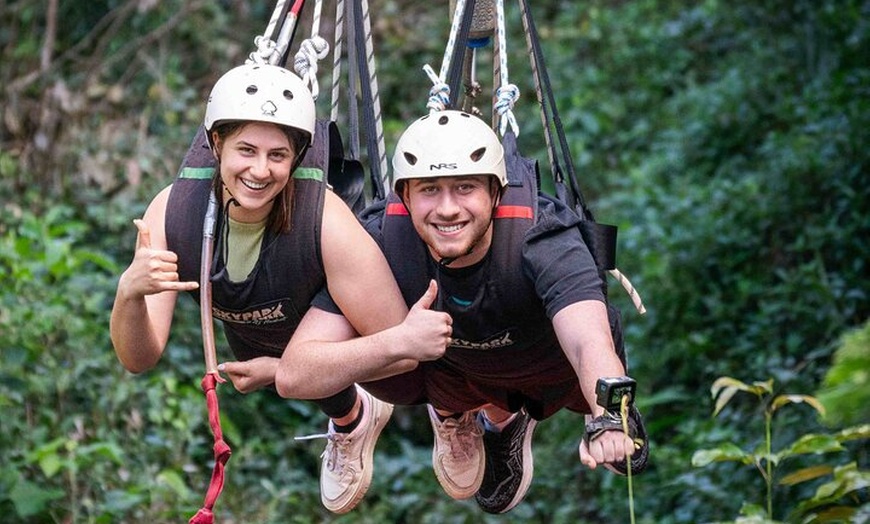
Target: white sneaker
<point x="346" y="471"/>
<point x="457" y="457"/>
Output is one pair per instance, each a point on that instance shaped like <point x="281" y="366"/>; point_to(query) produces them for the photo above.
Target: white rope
<point x="336" y="59"/>
<point x="506" y="97"/>
<point x="632" y="292"/>
<point x="376" y="97"/>
<point x="310" y="51"/>
<point x="269" y="51"/>
<point x="439" y="94"/>
<point x="507" y="94"/>
<point x="315" y="20"/>
<point x="265" y="46"/>
<point x="451" y="41"/>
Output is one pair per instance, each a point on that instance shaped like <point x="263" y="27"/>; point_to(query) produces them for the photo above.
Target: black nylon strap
<point x="368" y="105"/>
<point x="457" y="60"/>
<point x="636" y="430"/>
<point x="548" y="104"/>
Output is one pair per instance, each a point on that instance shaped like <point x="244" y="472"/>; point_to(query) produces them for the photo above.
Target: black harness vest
<point x="505" y="303"/>
<point x="260" y="313"/>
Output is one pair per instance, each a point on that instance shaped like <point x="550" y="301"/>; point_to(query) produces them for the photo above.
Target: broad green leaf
<point x="854" y="433"/>
<point x="812" y="443"/>
<point x="847" y="479"/>
<point x="50" y="464"/>
<point x="727" y="382"/>
<point x="782" y="400"/>
<point x="805" y="474"/>
<point x="725" y="453"/>
<point x="726" y="395"/>
<point x="30" y="499"/>
<point x="109" y="450"/>
<point x="174" y="481"/>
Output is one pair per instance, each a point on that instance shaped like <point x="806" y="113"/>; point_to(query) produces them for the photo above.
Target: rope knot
<point x="439" y="94"/>
<point x="266" y="47"/>
<point x="506" y="97"/>
<point x="305" y="63"/>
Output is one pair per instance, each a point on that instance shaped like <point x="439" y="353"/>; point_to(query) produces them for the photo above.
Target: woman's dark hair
<point x="280" y="218"/>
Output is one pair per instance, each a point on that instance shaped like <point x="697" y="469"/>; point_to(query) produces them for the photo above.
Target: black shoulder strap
<point x="600" y="238"/>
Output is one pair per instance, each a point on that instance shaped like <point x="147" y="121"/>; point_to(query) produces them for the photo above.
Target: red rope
<point x="222" y="453"/>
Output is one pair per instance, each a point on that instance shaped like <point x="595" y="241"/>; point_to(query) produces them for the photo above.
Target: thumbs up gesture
<point x="428" y="332"/>
<point x="152" y="270"/>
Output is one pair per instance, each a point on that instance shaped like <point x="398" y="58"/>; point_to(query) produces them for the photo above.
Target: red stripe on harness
<point x="397" y="208"/>
<point x="513" y="212"/>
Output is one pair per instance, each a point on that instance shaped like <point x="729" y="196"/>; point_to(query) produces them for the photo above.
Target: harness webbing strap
<point x="514" y="212"/>
<point x="600" y="238"/>
<point x="454" y="73"/>
<point x="371" y="110"/>
<point x="397" y="208"/>
<point x="549" y="110"/>
<point x="222" y="453"/>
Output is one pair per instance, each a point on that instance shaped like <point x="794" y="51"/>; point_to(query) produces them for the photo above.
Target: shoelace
<point x="459" y="435"/>
<point x="336" y="448"/>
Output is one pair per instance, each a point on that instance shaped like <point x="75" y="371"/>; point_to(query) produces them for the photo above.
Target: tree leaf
<point x="805" y="474"/>
<point x="782" y="400"/>
<point x="812" y="443"/>
<point x="30" y="499"/>
<point x="727" y="452"/>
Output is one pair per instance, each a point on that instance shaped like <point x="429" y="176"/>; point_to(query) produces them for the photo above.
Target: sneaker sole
<point x="528" y="467"/>
<point x="382" y="416"/>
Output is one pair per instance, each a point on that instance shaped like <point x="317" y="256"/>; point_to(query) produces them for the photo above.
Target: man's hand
<point x="152" y="270"/>
<point x="428" y="332"/>
<point x="611" y="446"/>
<point x="251" y="375"/>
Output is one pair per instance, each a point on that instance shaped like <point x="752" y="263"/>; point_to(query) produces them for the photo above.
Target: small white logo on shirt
<point x="498" y="341"/>
<point x="266" y="315"/>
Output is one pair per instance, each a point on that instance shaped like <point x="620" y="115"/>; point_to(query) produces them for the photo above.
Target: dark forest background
<point x="728" y="141"/>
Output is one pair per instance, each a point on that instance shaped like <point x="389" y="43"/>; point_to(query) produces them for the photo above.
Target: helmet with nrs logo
<point x="448" y="143"/>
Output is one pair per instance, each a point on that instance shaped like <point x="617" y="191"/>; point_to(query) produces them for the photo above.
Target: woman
<point x="282" y="241"/>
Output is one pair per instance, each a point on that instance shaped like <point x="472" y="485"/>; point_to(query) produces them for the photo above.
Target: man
<point x="530" y="328"/>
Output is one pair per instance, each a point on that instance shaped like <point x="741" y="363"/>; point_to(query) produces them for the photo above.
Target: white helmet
<point x="448" y="143"/>
<point x="262" y="93"/>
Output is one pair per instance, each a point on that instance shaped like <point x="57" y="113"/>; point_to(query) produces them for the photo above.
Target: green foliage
<point x="832" y="500"/>
<point x="846" y="389"/>
<point x="726" y="139"/>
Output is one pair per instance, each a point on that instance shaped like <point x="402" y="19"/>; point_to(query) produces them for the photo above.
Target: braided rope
<point x="336" y="59"/>
<point x="451" y="41"/>
<point x="507" y="94"/>
<point x="539" y="93"/>
<point x="439" y="94"/>
<point x="315" y="18"/>
<point x="376" y="98"/>
<point x="629" y="288"/>
<point x="265" y="46"/>
<point x="310" y="51"/>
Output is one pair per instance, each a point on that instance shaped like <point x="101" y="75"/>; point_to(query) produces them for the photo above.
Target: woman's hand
<point x="251" y="375"/>
<point x="152" y="270"/>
